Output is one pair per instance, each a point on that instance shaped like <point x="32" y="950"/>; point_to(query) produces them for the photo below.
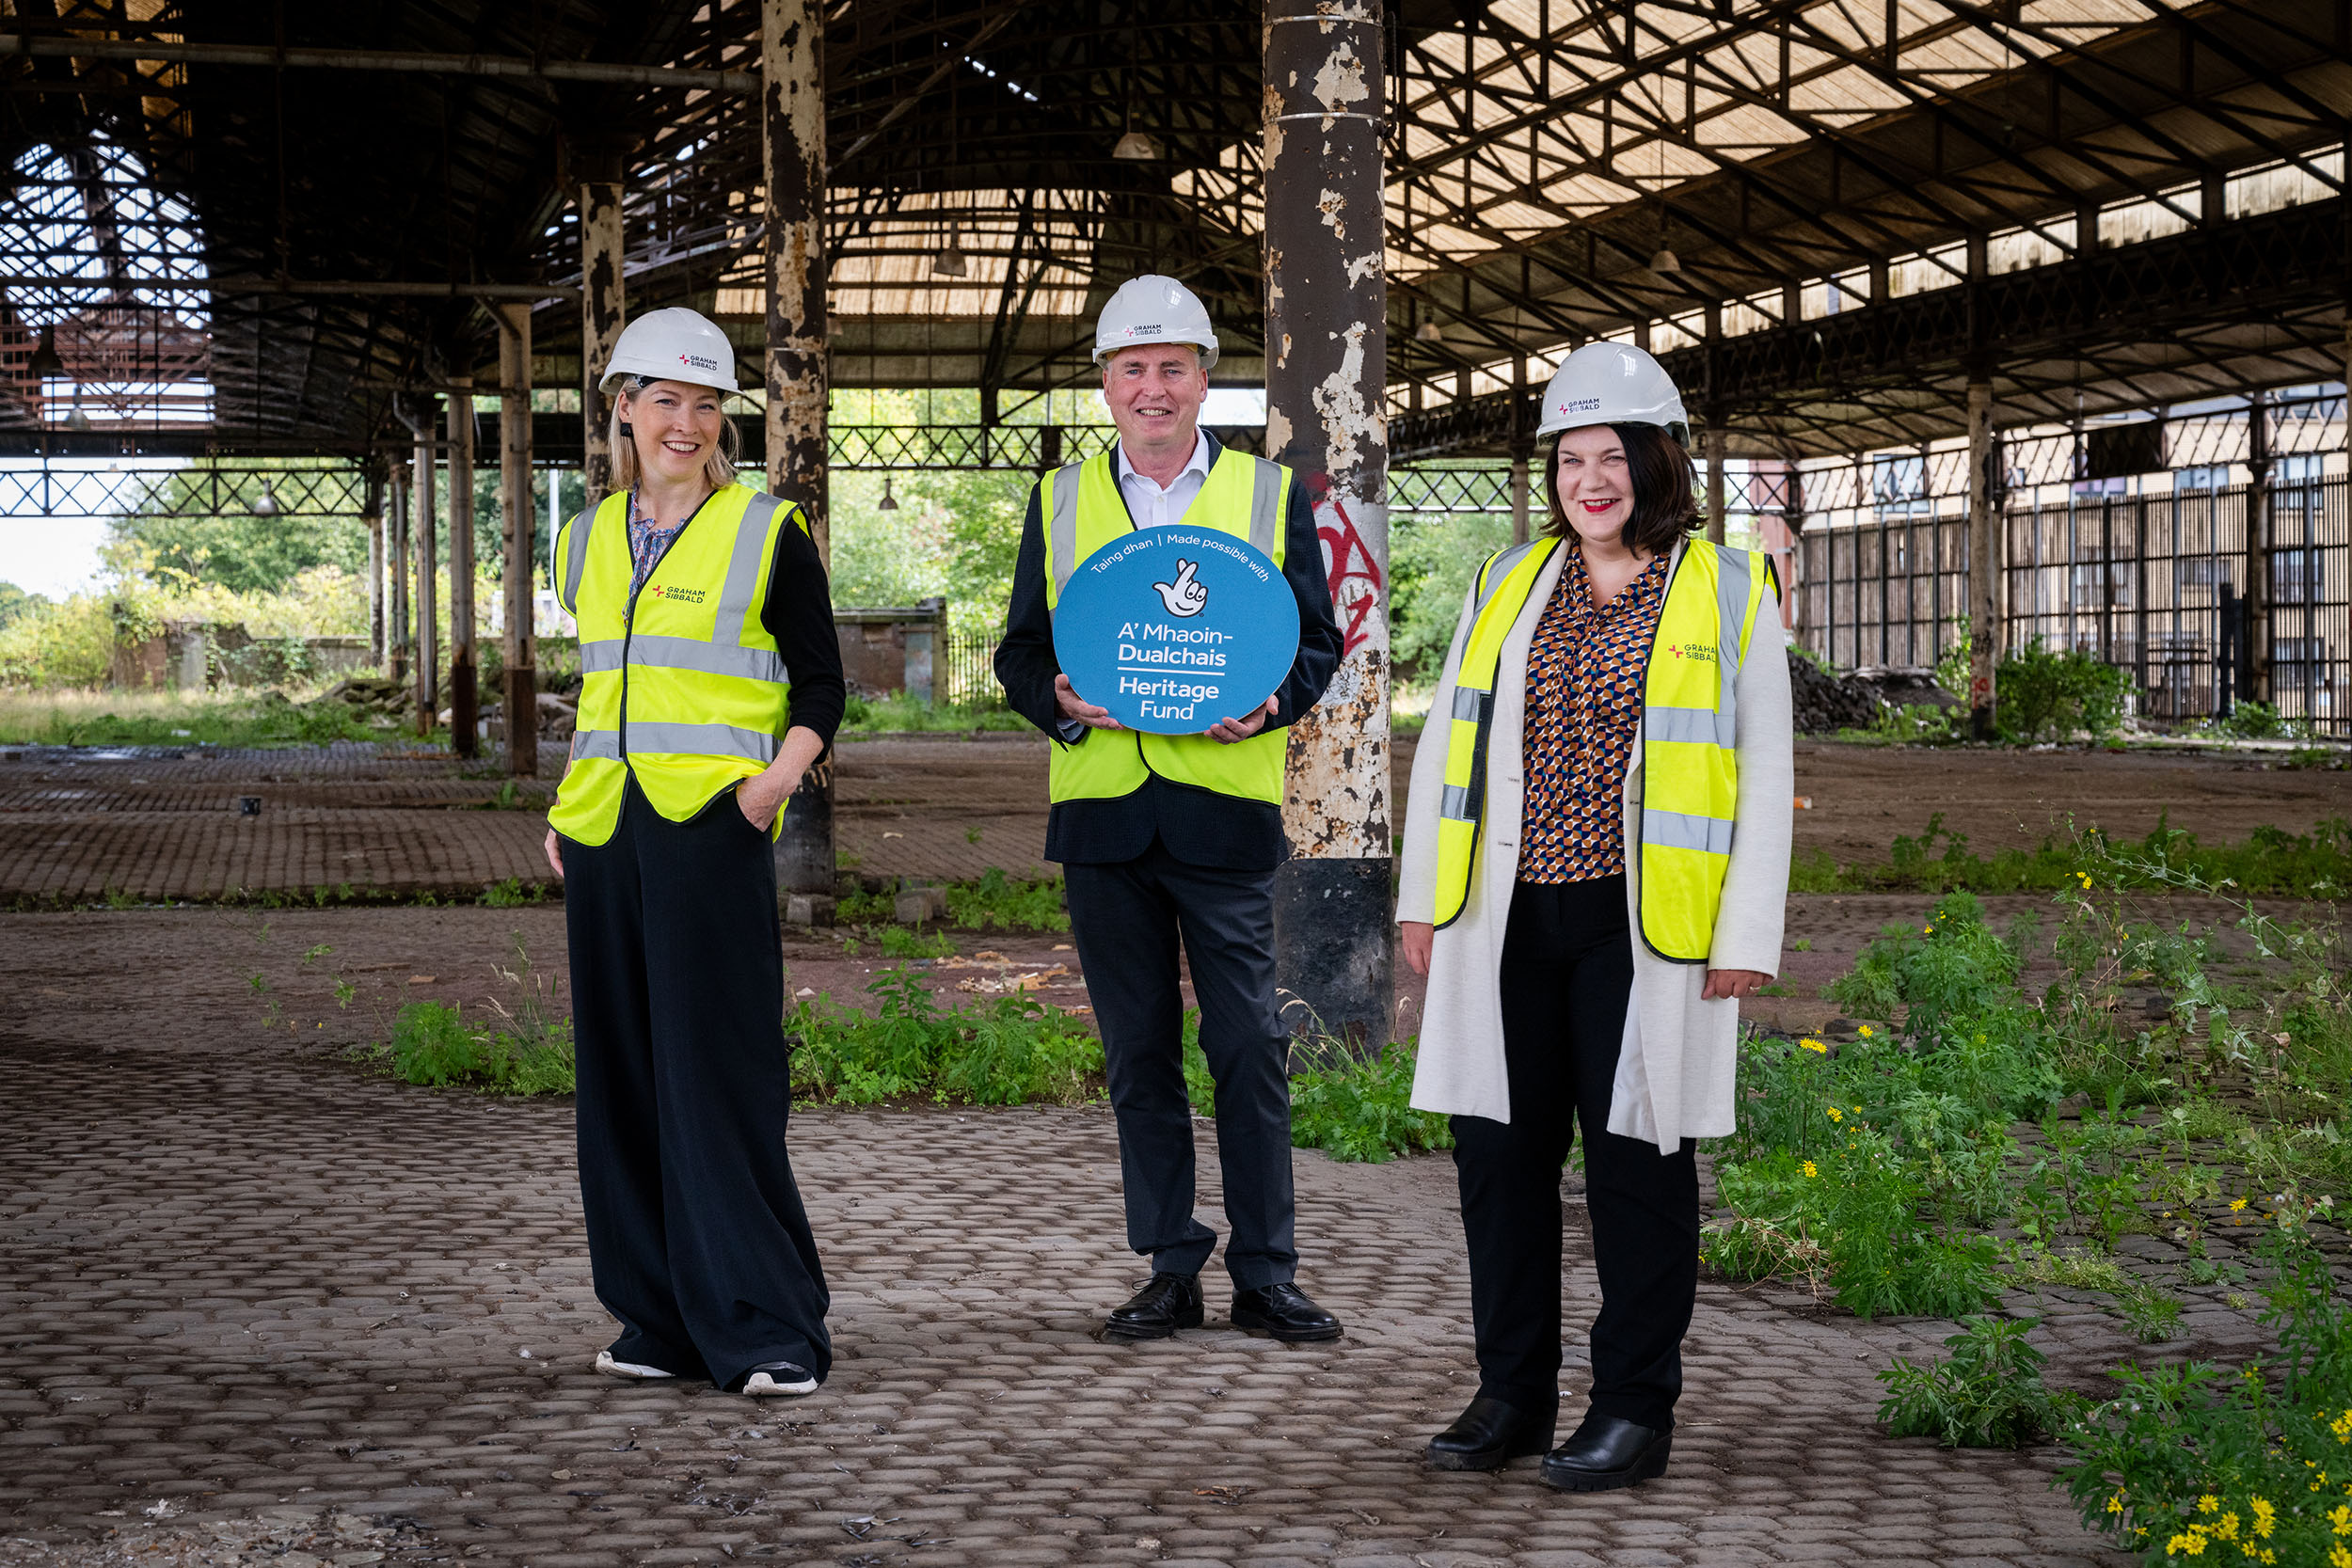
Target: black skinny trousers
<point x="1567" y="972"/>
<point x="697" y="1240"/>
<point x="1127" y="917"/>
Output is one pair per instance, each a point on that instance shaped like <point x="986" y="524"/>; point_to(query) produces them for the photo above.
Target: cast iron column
<point x="601" y="306"/>
<point x="519" y="702"/>
<point x="396" y="558"/>
<point x="1985" y="563"/>
<point x="1326" y="418"/>
<point x="428" y="617"/>
<point x="1716" y="499"/>
<point x="2257" y="685"/>
<point x="372" y="513"/>
<point x="792" y="145"/>
<point x="464" y="692"/>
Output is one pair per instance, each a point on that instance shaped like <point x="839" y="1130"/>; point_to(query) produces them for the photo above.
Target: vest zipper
<point x="628" y="611"/>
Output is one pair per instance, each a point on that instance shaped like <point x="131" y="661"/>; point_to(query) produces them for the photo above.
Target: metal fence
<point x="2153" y="584"/>
<point x="966" y="673"/>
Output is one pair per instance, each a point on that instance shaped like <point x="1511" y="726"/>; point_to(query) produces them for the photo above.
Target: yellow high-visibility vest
<point x="1689" y="763"/>
<point x="1244" y="495"/>
<point x="685" y="689"/>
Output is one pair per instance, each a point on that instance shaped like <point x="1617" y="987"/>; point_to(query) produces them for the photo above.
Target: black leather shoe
<point x="1488" y="1435"/>
<point x="1284" y="1312"/>
<point x="1606" y="1453"/>
<point x="1169" y="1303"/>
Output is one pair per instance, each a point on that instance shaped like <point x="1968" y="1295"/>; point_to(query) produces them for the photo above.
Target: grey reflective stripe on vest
<point x="710" y="659"/>
<point x="1469" y="703"/>
<point x="1704" y="727"/>
<point x="587" y="744"/>
<point x="706" y="740"/>
<point x="1731" y="613"/>
<point x="1674" y="829"/>
<point x="601" y="656"/>
<point x="1265" y="496"/>
<point x="1456" y="803"/>
<point x="575" y="562"/>
<point x="1063" y="529"/>
<point x="741" y="590"/>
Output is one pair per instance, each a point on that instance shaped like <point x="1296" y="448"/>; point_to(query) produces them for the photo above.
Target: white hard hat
<point x="677" y="345"/>
<point x="1154" y="310"/>
<point x="1612" y="384"/>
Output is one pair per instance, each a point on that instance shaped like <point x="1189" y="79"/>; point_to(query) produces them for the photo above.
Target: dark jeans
<point x="696" y="1237"/>
<point x="1567" y="972"/>
<point x="1127" y="917"/>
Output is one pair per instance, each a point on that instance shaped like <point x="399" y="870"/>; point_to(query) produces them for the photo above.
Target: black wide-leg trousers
<point x="697" y="1239"/>
<point x="1568" y="973"/>
<point x="1127" y="917"/>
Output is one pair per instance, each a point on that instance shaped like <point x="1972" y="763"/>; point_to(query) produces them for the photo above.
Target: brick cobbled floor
<point x="253" y="1297"/>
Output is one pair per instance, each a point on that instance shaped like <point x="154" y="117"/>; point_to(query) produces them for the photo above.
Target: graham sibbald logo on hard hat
<point x="1151" y="330"/>
<point x="698" y="361"/>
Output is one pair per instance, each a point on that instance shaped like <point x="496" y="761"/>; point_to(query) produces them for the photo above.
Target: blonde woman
<point x="1596" y="865"/>
<point x="711" y="683"/>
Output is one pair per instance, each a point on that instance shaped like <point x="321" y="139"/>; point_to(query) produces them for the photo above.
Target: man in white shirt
<point x="1183" y="852"/>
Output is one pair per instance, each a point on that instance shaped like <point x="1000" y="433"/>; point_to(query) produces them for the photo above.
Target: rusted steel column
<point x="1326" y="379"/>
<point x="372" y="513"/>
<point x="519" y="702"/>
<point x="601" y="301"/>
<point x="396" y="562"/>
<point x="1716" y="499"/>
<point x="792" y="146"/>
<point x="1985" y="563"/>
<point x="428" y="667"/>
<point x="1519" y="457"/>
<point x="464" y="693"/>
<point x="2257" y="685"/>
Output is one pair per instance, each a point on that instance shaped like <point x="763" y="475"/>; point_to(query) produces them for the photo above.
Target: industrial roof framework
<point x="1826" y="215"/>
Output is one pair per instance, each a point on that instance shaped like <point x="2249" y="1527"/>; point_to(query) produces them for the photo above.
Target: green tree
<point x="15" y="601"/>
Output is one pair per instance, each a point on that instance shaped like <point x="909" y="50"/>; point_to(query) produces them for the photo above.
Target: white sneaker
<point x="629" y="1369"/>
<point x="779" y="1378"/>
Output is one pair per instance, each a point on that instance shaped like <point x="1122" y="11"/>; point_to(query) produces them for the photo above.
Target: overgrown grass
<point x="992" y="902"/>
<point x="527" y="1050"/>
<point x="2268" y="862"/>
<point x="108" y="718"/>
<point x="1987" y="1394"/>
<point x="1006" y="1051"/>
<point x="899" y="714"/>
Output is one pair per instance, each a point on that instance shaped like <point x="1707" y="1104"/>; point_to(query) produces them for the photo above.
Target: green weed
<point x="432" y="1046"/>
<point x="1987" y="1394"/>
<point x="905" y="941"/>
<point x="1357" y="1108"/>
<point x="1006" y="1051"/>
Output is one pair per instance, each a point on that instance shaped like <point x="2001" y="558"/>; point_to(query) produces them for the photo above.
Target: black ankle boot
<point x="1606" y="1453"/>
<point x="1487" y="1436"/>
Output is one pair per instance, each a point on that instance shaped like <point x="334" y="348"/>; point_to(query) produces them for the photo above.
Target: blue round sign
<point x="1174" y="629"/>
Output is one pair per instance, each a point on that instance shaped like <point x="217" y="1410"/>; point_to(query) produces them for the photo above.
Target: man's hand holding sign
<point x="1164" y="649"/>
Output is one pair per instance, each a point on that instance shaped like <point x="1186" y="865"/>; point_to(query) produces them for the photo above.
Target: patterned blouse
<point x="646" y="541"/>
<point x="1584" y="673"/>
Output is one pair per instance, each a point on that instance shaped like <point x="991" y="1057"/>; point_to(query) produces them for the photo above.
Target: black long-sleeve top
<point x="1198" y="826"/>
<point x="798" y="613"/>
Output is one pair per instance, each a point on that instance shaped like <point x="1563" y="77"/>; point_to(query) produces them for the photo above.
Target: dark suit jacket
<point x="1198" y="826"/>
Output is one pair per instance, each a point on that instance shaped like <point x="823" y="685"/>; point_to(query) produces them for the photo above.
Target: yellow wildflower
<point x="2338" y="1557"/>
<point x="2189" y="1542"/>
<point x="1865" y="1031"/>
<point x="1811" y="1170"/>
<point x="2342" y="1427"/>
<point x="1927" y="930"/>
<point x="2340" y="1518"/>
<point x="2207" y="1503"/>
<point x="2227" y="1529"/>
<point x="2265" y="1516"/>
<point x="2237" y="1206"/>
<point x="2115" y="1504"/>
<point x="1837" y="1114"/>
<point x="1815" y="1046"/>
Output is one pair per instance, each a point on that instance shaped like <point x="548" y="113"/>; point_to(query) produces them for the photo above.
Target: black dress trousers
<point x="697" y="1236"/>
<point x="1568" y="973"/>
<point x="1127" y="917"/>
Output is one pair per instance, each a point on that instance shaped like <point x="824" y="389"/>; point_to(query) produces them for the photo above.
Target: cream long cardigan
<point x="1676" y="1071"/>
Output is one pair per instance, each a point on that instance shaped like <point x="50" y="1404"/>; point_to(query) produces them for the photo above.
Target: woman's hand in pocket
<point x="1419" y="937"/>
<point x="759" y="799"/>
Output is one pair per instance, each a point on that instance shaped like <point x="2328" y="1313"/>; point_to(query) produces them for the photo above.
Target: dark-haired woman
<point x="1595" y="867"/>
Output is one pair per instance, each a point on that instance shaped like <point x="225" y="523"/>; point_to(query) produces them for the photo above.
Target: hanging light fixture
<point x="1429" y="332"/>
<point x="889" y="501"/>
<point x="1666" y="261"/>
<point x="266" y="504"/>
<point x="75" y="419"/>
<point x="46" y="361"/>
<point x="1137" y="147"/>
<point x="950" y="261"/>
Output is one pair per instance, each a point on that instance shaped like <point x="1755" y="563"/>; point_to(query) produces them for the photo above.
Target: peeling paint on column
<point x="602" y="306"/>
<point x="1326" y="382"/>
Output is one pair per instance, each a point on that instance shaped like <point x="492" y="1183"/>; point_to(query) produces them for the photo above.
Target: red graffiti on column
<point x="1346" y="560"/>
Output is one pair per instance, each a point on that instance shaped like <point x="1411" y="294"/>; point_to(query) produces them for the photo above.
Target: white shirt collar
<point x="1197" y="463"/>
